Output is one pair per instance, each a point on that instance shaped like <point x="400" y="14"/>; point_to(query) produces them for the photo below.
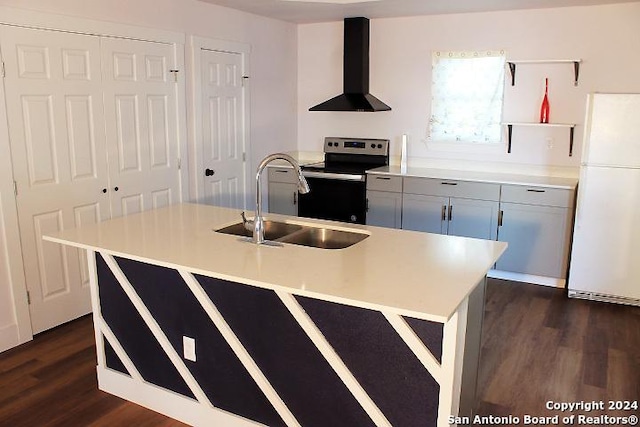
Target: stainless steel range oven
<point x="338" y="185"/>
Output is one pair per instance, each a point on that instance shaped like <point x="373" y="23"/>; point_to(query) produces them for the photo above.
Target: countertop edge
<point x="188" y="244"/>
<point x="262" y="285"/>
<point x="479" y="176"/>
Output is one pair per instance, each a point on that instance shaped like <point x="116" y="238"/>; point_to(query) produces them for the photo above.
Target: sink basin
<point x="316" y="237"/>
<point x="324" y="238"/>
<point x="273" y="230"/>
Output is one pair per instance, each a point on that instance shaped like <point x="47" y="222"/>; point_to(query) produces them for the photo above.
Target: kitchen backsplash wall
<point x="603" y="37"/>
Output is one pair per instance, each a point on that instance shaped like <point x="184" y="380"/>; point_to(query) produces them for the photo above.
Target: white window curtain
<point x="467" y="92"/>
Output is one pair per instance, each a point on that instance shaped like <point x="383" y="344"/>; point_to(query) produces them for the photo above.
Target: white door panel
<point x="94" y="134"/>
<point x="223" y="126"/>
<point x="140" y="101"/>
<point x="606" y="240"/>
<point x="56" y="127"/>
<point x="612" y="135"/>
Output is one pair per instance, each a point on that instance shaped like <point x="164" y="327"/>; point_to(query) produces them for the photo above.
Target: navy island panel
<point x="286" y="355"/>
<point x="111" y="358"/>
<point x="133" y="334"/>
<point x="430" y="333"/>
<point x="380" y="360"/>
<point x="217" y="369"/>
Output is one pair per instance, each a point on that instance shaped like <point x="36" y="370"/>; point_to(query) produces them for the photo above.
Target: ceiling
<point x="303" y="12"/>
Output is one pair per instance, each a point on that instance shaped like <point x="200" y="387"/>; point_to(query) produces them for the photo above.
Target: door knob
<point x="209" y="172"/>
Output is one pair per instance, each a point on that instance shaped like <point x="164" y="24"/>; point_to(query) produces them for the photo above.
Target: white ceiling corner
<point x="310" y="11"/>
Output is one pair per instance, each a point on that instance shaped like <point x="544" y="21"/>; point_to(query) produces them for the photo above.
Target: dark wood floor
<point x="537" y="346"/>
<point x="51" y="381"/>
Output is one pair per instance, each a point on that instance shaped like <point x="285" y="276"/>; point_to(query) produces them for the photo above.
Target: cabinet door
<point x="283" y="198"/>
<point x="384" y="209"/>
<point x="473" y="218"/>
<point x="424" y="213"/>
<point x="538" y="239"/>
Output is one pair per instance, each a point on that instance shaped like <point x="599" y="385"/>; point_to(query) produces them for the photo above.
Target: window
<point x="467" y="91"/>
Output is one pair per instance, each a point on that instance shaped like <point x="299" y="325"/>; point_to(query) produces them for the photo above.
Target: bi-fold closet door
<point x="93" y="134"/>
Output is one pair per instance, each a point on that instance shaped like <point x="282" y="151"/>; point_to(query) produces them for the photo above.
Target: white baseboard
<point x="166" y="402"/>
<point x="527" y="278"/>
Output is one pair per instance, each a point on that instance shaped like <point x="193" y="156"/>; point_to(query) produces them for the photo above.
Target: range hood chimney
<point x="356" y="96"/>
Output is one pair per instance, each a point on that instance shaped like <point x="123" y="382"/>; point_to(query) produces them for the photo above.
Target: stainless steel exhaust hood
<point x="356" y="96"/>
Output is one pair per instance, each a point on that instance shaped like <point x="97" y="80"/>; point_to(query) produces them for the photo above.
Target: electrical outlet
<point x="549" y="142"/>
<point x="189" y="347"/>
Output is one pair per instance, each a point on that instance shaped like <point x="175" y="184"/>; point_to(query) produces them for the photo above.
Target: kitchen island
<point x="211" y="329"/>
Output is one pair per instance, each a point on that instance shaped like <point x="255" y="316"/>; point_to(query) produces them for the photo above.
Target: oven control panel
<point x="365" y="146"/>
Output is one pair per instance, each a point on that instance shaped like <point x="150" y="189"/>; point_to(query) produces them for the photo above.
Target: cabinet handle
<point x="535" y="190"/>
<point x="444" y="212"/>
<point x="209" y="172"/>
<point x="450" y="212"/>
<point x="282" y="171"/>
<point x="295" y="198"/>
<point x="104" y="190"/>
<point x="500" y="216"/>
<point x="385" y="178"/>
<point x="448" y="183"/>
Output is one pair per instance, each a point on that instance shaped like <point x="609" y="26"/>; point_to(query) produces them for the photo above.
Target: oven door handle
<point x="337" y="176"/>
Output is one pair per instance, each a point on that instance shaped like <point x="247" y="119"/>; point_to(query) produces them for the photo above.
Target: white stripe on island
<point x="239" y="350"/>
<point x="117" y="347"/>
<point x="416" y="345"/>
<point x="333" y="359"/>
<point x="156" y="330"/>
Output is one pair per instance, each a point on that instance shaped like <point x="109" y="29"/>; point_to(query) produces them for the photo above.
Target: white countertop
<point x="490" y="177"/>
<point x="410" y="273"/>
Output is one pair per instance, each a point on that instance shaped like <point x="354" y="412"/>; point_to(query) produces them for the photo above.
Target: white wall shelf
<point x="575" y="62"/>
<point x="571" y="127"/>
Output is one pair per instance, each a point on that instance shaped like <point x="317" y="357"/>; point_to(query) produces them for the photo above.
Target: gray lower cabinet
<point x="384" y="201"/>
<point x="425" y="213"/>
<point x="536" y="222"/>
<point x="283" y="191"/>
<point x="459" y="208"/>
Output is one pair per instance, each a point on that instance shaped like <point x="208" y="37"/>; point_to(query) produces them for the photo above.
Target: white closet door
<point x="223" y="129"/>
<point x="140" y="101"/>
<point x="56" y="126"/>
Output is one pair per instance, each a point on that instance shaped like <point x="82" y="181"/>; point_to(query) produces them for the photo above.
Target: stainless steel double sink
<point x="303" y="235"/>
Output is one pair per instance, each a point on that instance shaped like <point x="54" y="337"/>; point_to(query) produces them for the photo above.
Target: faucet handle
<point x="248" y="224"/>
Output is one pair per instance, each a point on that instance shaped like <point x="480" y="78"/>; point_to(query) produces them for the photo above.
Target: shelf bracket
<point x="512" y="69"/>
<point x="576" y="71"/>
<point x="571" y="129"/>
<point x="509" y="134"/>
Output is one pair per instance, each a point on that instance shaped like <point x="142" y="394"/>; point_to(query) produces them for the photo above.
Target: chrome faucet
<point x="257" y="224"/>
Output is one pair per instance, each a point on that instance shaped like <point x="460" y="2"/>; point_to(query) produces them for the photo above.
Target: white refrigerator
<point x="605" y="256"/>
